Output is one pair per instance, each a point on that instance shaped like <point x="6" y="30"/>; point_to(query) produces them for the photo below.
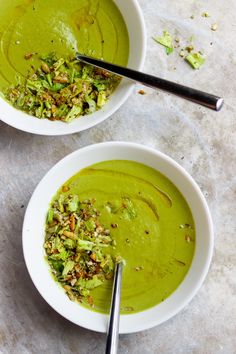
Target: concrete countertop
<point x="202" y="141"/>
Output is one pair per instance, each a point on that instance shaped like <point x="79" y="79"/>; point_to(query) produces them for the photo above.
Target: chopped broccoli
<point x="62" y="89"/>
<point x="195" y="60"/>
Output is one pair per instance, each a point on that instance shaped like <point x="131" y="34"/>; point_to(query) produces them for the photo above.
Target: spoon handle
<point x="113" y="328"/>
<point x="203" y="98"/>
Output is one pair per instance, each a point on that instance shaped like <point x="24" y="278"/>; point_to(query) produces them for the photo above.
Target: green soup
<point x="156" y="237"/>
<point x="92" y="27"/>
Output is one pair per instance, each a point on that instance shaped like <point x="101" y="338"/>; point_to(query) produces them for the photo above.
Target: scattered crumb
<point x="205" y="14"/>
<point x="138" y="268"/>
<point x="214" y="27"/>
<point x="17" y="42"/>
<point x="192" y="17"/>
<point x="189" y="48"/>
<point x="22" y="206"/>
<point x="141" y="92"/>
<point x="28" y="56"/>
<point x="128" y="309"/>
<point x="188" y="238"/>
<point x="182" y="53"/>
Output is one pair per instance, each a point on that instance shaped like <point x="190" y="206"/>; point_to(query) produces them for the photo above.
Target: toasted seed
<point x="45" y="68"/>
<point x="72" y="223"/>
<point x="70" y="235"/>
<point x="28" y="56"/>
<point x="141" y="92"/>
<point x="93" y="256"/>
<point x="67" y="287"/>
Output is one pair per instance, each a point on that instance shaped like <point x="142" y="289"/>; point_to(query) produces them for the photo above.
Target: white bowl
<point x="137" y="35"/>
<point x="34" y="223"/>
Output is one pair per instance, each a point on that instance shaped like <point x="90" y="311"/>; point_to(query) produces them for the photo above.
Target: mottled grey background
<point x="203" y="142"/>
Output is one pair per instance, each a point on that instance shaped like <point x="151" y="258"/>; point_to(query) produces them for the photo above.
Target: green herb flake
<point x="69" y="265"/>
<point x="73" y="203"/>
<point x="50" y="216"/>
<point x="166" y="40"/>
<point x="129" y="211"/>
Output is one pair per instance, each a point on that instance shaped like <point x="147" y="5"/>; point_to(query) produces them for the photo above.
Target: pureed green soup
<point x="92" y="27"/>
<point x="150" y="226"/>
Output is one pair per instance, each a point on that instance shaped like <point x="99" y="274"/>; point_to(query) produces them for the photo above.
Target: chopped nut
<point x="73" y="281"/>
<point x="54" y="109"/>
<point x="205" y="14"/>
<point x="90" y="301"/>
<point x="99" y="229"/>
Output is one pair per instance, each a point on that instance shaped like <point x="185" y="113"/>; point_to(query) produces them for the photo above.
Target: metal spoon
<point x="200" y="97"/>
<point x="113" y="328"/>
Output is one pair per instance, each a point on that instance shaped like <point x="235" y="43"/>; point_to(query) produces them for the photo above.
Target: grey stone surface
<point x="203" y="142"/>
